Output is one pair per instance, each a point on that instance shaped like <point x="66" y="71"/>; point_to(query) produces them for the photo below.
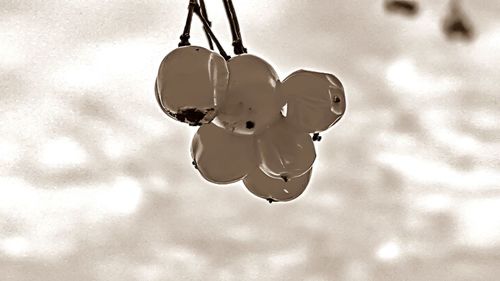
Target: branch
<point x="187" y="28"/>
<point x="209" y="30"/>
<point x="205" y="15"/>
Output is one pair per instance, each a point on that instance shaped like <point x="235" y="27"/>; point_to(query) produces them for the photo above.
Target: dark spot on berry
<point x="285" y="178"/>
<point x="271" y="200"/>
<point x="336" y="99"/>
<point x="250" y="125"/>
<point x="168" y="112"/>
<point x="249" y="109"/>
<point x="316" y="137"/>
<point x="192" y="116"/>
<point x="197" y="49"/>
<point x="195" y="164"/>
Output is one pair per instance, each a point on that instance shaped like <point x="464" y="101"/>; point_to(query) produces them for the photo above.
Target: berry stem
<point x="187" y="28"/>
<point x="205" y="15"/>
<point x="235" y="27"/>
<point x="209" y="30"/>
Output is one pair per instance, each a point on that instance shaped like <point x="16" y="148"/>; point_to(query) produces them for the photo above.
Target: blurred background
<point x="96" y="183"/>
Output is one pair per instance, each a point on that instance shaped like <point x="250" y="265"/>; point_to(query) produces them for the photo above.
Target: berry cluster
<point x="253" y="127"/>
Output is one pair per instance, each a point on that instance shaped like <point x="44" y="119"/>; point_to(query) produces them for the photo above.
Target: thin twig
<point x="187" y="28"/>
<point x="235" y="27"/>
<point x="209" y="30"/>
<point x="205" y="15"/>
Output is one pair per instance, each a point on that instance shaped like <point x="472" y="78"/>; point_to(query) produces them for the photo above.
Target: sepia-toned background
<point x="96" y="183"/>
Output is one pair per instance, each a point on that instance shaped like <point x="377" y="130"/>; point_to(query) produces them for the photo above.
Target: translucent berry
<point x="315" y="101"/>
<point x="220" y="156"/>
<point x="252" y="102"/>
<point x="275" y="190"/>
<point x="192" y="81"/>
<point x="285" y="152"/>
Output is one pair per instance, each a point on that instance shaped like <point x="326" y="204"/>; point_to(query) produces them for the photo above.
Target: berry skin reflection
<point x="238" y="104"/>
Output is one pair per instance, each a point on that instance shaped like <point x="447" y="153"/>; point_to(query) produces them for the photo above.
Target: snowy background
<point x="96" y="183"/>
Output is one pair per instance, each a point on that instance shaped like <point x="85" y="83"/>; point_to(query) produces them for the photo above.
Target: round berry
<point x="275" y="190"/>
<point x="315" y="101"/>
<point x="285" y="152"/>
<point x="191" y="83"/>
<point x="220" y="156"/>
<point x="252" y="102"/>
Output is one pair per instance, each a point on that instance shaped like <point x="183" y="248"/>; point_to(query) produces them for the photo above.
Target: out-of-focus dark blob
<point x="456" y="25"/>
<point x="406" y="8"/>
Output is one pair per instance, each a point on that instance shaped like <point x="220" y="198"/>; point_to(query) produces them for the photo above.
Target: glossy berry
<point x="220" y="156"/>
<point x="285" y="152"/>
<point x="252" y="103"/>
<point x="192" y="81"/>
<point x="315" y="101"/>
<point x="276" y="190"/>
